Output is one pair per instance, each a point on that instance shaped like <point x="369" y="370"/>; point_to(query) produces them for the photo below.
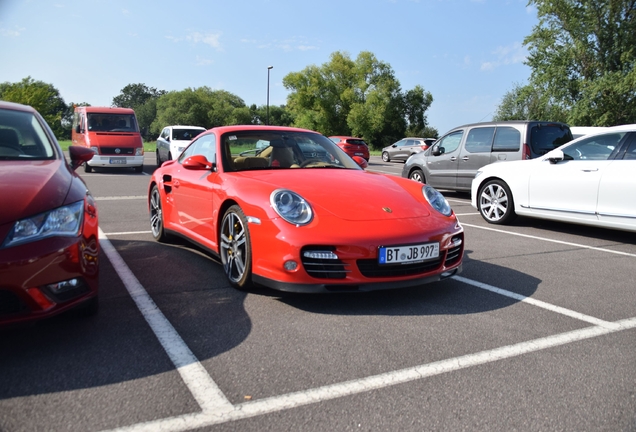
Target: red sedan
<point x="48" y="223"/>
<point x="286" y="208"/>
<point x="352" y="146"/>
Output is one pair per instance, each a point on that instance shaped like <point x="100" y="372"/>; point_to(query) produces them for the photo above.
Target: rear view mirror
<point x="436" y="151"/>
<point x="197" y="162"/>
<point x="79" y="155"/>
<point x="556" y="156"/>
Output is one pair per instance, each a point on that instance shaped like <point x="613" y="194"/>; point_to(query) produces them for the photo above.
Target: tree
<point x="583" y="59"/>
<point x="43" y="97"/>
<point x="358" y="97"/>
<point x="199" y="107"/>
<point x="143" y="100"/>
<point x="525" y="102"/>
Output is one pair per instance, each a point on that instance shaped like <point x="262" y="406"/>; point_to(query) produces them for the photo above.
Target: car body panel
<point x="29" y="267"/>
<point x="599" y="191"/>
<point x="343" y="218"/>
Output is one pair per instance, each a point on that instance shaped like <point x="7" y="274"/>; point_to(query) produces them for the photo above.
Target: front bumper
<point x="116" y="161"/>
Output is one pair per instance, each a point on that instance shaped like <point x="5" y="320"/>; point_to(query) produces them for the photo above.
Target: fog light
<point x="320" y="255"/>
<point x="61" y="287"/>
<point x="290" y="265"/>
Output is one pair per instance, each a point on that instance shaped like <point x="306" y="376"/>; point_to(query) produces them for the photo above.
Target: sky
<point x="466" y="53"/>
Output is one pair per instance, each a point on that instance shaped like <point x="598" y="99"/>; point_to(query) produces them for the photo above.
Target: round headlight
<point x="291" y="207"/>
<point x="436" y="200"/>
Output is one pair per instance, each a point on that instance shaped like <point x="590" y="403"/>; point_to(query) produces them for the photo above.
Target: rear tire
<point x="236" y="248"/>
<point x="495" y="203"/>
<point x="158" y="159"/>
<point x="156" y="216"/>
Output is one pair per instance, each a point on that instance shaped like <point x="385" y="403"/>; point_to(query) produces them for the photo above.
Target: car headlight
<point x="436" y="200"/>
<point x="62" y="221"/>
<point x="291" y="207"/>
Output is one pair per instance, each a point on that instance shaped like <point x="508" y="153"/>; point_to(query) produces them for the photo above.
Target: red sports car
<point x="352" y="146"/>
<point x="286" y="208"/>
<point x="48" y="222"/>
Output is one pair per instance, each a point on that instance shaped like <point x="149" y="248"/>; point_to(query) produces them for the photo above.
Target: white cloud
<point x="13" y="32"/>
<point x="211" y="39"/>
<point x="506" y="55"/>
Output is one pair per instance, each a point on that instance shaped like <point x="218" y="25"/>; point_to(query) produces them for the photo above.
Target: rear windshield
<point x="356" y="141"/>
<point x="185" y="134"/>
<point x="546" y="137"/>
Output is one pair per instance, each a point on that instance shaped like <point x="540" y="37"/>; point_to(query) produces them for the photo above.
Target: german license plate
<point x="408" y="254"/>
<point x="118" y="161"/>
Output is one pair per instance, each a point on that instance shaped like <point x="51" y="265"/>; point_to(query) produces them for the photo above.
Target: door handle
<point x="589" y="169"/>
<point x="176" y="183"/>
<point x="465" y="158"/>
<point x="453" y="159"/>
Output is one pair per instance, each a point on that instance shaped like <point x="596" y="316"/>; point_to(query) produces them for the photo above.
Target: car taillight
<point x="424" y="147"/>
<point x="526" y="152"/>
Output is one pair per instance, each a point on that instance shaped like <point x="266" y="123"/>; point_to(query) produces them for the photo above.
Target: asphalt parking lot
<point x="537" y="333"/>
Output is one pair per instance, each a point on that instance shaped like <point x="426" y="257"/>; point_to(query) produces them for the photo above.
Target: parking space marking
<point x="216" y="408"/>
<point x="197" y="380"/>
<point x="539" y="303"/>
<point x="375" y="382"/>
<point x="552" y="240"/>
<point x="128" y="233"/>
<point x="117" y="198"/>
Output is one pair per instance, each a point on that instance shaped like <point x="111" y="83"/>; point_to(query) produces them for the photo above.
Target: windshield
<point x="250" y="150"/>
<point x="185" y="134"/>
<point x="99" y="122"/>
<point x="22" y="137"/>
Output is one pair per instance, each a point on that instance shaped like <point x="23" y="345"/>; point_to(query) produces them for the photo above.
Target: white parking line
<point x="128" y="233"/>
<point x="217" y="409"/>
<point x="551" y="240"/>
<point x="117" y="198"/>
<point x="195" y="377"/>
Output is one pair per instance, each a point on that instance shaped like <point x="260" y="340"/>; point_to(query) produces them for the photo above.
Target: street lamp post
<point x="268" y="69"/>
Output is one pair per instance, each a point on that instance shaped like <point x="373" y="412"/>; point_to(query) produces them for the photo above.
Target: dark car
<point x="352" y="146"/>
<point x="453" y="160"/>
<point x="48" y="222"/>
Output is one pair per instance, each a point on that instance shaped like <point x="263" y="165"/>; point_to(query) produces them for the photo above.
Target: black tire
<point x="139" y="169"/>
<point x="236" y="248"/>
<point x="169" y="156"/>
<point x="156" y="216"/>
<point x="495" y="203"/>
<point x="158" y="159"/>
<point x="386" y="157"/>
<point x="87" y="167"/>
<point x="417" y="175"/>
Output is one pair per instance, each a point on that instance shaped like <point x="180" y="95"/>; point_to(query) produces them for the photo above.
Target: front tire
<point x="87" y="168"/>
<point x="158" y="159"/>
<point x="386" y="157"/>
<point x="236" y="248"/>
<point x="495" y="203"/>
<point x="417" y="175"/>
<point x="156" y="216"/>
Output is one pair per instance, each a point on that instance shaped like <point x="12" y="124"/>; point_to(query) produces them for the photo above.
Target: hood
<point x="351" y="194"/>
<point x="32" y="187"/>
<point x="106" y="139"/>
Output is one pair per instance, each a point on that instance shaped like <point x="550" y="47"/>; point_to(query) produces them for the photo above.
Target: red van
<point x="112" y="133"/>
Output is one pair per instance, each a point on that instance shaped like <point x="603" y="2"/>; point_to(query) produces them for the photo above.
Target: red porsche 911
<point x="48" y="223"/>
<point x="287" y="209"/>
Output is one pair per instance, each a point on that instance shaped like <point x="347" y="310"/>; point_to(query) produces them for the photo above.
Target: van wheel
<point x="386" y="157"/>
<point x="495" y="203"/>
<point x="417" y="175"/>
<point x="139" y="168"/>
<point x="87" y="167"/>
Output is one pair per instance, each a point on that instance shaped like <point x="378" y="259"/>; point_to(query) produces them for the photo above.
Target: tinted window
<point x="185" y="134"/>
<point x="546" y="137"/>
<point x="507" y="139"/>
<point x="631" y="151"/>
<point x="479" y="140"/>
<point x="598" y="147"/>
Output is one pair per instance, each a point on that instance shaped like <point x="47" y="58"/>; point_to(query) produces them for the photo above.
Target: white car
<point x="590" y="181"/>
<point x="173" y="140"/>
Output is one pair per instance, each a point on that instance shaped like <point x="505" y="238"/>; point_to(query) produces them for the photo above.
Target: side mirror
<point x="556" y="156"/>
<point x="437" y="150"/>
<point x="197" y="163"/>
<point x="362" y="163"/>
<point x="79" y="155"/>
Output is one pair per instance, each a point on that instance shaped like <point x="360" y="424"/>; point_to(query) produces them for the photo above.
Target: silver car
<point x="452" y="161"/>
<point x="173" y="140"/>
<point x="404" y="148"/>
